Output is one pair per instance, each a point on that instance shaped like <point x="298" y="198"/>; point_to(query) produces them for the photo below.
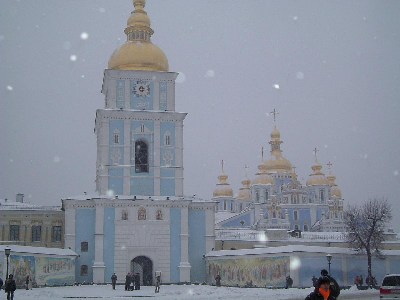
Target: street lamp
<point x="329" y="258"/>
<point x="7" y="252"/>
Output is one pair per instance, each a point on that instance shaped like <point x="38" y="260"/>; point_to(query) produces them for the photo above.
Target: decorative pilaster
<point x="184" y="265"/>
<point x="98" y="265"/>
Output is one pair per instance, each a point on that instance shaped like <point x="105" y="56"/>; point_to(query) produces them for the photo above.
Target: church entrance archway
<point x="144" y="266"/>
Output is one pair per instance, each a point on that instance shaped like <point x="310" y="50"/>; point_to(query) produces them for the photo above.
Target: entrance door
<point x="144" y="266"/>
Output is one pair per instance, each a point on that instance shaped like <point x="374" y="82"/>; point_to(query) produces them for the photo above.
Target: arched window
<point x="124" y="215"/>
<point x="141" y="157"/>
<point x="295" y="215"/>
<point x="274" y="214"/>
<point x="116" y="137"/>
<point x="224" y="204"/>
<point x="159" y="214"/>
<point x="84" y="246"/>
<point x="296" y="227"/>
<point x="322" y="196"/>
<point x="257" y="196"/>
<point x="84" y="270"/>
<point x="266" y="195"/>
<point x="141" y="214"/>
<point x="305" y="227"/>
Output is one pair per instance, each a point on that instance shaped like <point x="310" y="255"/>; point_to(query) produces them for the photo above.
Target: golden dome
<point x="223" y="188"/>
<point x="335" y="190"/>
<point x="262" y="177"/>
<point x="138" y="52"/>
<point x="277" y="164"/>
<point x="317" y="178"/>
<point x="244" y="191"/>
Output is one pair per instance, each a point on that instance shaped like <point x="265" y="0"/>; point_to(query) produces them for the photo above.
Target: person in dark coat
<point x="137" y="281"/>
<point x="127" y="281"/>
<point x="314" y="281"/>
<point x="334" y="286"/>
<point x="113" y="280"/>
<point x="10" y="287"/>
<point x="158" y="282"/>
<point x="289" y="282"/>
<point x="218" y="280"/>
<point x="1" y="283"/>
<point x="322" y="291"/>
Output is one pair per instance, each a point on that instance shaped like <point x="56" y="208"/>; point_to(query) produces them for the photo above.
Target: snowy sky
<point x="332" y="70"/>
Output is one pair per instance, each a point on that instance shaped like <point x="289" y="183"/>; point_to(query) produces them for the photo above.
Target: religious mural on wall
<point x="20" y="267"/>
<point x="48" y="271"/>
<point x="54" y="271"/>
<point x="261" y="272"/>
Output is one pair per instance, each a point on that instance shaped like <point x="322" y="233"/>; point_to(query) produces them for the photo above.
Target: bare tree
<point x="365" y="227"/>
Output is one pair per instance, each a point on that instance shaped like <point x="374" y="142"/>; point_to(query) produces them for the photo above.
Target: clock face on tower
<point x="141" y="89"/>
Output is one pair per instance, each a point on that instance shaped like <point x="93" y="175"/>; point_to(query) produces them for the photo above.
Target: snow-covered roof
<point x="223" y="215"/>
<point x="13" y="205"/>
<point x="88" y="196"/>
<point x="290" y="249"/>
<point x="38" y="250"/>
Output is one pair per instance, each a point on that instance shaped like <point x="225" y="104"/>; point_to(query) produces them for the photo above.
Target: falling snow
<point x="10" y="88"/>
<point x="73" y="57"/>
<point x="210" y="73"/>
<point x="84" y="36"/>
<point x="56" y="159"/>
<point x="276" y="86"/>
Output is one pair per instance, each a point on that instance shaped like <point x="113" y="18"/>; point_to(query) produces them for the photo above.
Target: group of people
<point x="326" y="287"/>
<point x="132" y="281"/>
<point x="370" y="281"/>
<point x="9" y="286"/>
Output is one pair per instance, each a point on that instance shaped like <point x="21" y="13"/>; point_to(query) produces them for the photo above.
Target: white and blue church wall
<point x="110" y="233"/>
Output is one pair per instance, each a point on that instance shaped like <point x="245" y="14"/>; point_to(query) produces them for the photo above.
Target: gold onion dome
<point x="223" y="188"/>
<point x="262" y="177"/>
<point x="138" y="53"/>
<point x="278" y="163"/>
<point x="335" y="190"/>
<point x="244" y="191"/>
<point x="317" y="178"/>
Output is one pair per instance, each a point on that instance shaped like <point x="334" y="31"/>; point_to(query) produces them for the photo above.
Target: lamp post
<point x="329" y="258"/>
<point x="7" y="252"/>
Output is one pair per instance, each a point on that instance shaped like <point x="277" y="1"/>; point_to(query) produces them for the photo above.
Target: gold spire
<point x="244" y="191"/>
<point x="317" y="178"/>
<point x="278" y="163"/>
<point x="335" y="190"/>
<point x="138" y="53"/>
<point x="223" y="188"/>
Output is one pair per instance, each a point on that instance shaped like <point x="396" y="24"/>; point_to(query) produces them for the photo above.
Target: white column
<point x="127" y="158"/>
<point x="157" y="158"/>
<point x="179" y="158"/>
<point x="184" y="265"/>
<point x="98" y="265"/>
<point x="102" y="129"/>
<point x="69" y="230"/>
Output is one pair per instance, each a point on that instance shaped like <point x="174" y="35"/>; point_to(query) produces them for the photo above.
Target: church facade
<point x="139" y="221"/>
<point x="276" y="199"/>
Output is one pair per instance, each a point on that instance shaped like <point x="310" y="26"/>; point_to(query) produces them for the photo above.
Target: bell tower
<point x="139" y="133"/>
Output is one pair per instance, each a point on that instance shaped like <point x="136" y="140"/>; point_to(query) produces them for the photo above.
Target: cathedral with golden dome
<point x="276" y="199"/>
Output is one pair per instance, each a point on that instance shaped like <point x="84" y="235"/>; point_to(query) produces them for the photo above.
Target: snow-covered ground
<point x="176" y="292"/>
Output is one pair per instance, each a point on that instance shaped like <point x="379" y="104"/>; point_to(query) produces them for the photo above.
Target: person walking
<point x="1" y="283"/>
<point x="127" y="281"/>
<point x="158" y="282"/>
<point x="289" y="282"/>
<point x="10" y="287"/>
<point x="113" y="281"/>
<point x="314" y="281"/>
<point x="334" y="286"/>
<point x="218" y="280"/>
<point x="322" y="291"/>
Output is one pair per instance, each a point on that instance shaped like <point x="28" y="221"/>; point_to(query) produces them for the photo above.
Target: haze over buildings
<point x="330" y="69"/>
